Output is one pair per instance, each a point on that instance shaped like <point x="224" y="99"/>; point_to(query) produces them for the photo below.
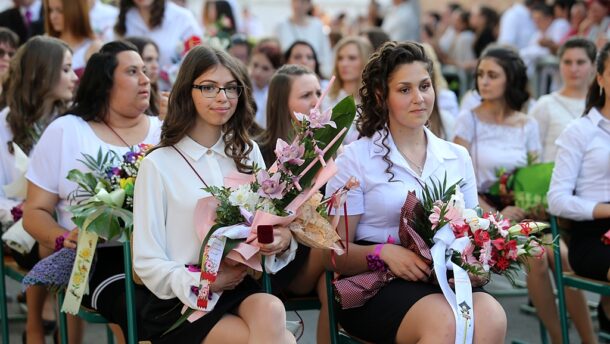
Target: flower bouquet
<point x="286" y="194"/>
<point x="447" y="235"/>
<point x="103" y="209"/>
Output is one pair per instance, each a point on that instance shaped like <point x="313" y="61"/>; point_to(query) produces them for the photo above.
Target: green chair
<point x="95" y="318"/>
<point x="11" y="270"/>
<point x="569" y="279"/>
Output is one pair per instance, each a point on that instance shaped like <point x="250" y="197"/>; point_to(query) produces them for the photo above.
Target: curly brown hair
<point x="374" y="113"/>
<point x="156" y="15"/>
<point x="181" y="112"/>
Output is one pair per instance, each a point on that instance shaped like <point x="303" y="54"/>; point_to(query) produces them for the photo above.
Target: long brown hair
<point x="596" y="97"/>
<point x="365" y="49"/>
<point x="279" y="124"/>
<point x="182" y="114"/>
<point x="34" y="72"/>
<point x="76" y="19"/>
<point x="156" y="15"/>
<point x="374" y="114"/>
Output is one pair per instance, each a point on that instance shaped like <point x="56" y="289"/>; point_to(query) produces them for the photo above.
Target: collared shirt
<point x="61" y="148"/>
<point x="166" y="195"/>
<point x="34" y="9"/>
<point x="380" y="201"/>
<point x="581" y="177"/>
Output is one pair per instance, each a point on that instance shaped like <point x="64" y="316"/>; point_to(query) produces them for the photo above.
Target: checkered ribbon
<point x="355" y="291"/>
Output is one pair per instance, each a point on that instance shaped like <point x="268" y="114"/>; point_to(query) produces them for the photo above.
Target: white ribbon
<point x="461" y="300"/>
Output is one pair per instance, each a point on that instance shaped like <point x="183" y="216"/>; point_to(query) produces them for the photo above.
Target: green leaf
<point x="180" y="320"/>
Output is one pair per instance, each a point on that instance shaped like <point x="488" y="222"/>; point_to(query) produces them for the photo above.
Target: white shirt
<point x="581" y="177"/>
<point x="516" y="26"/>
<point x="165" y="239"/>
<point x="401" y="22"/>
<point x="103" y="17"/>
<point x="178" y="26"/>
<point x="533" y="50"/>
<point x="260" y="98"/>
<point x="34" y="9"/>
<point x="495" y="146"/>
<point x="554" y="112"/>
<point x="313" y="33"/>
<point x="379" y="201"/>
<point x="8" y="172"/>
<point x="60" y="147"/>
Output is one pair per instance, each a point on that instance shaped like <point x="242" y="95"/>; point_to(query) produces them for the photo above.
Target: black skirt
<point x="159" y="315"/>
<point x="588" y="255"/>
<point x="282" y="279"/>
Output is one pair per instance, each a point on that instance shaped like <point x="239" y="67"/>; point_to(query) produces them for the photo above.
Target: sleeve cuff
<point x="275" y="263"/>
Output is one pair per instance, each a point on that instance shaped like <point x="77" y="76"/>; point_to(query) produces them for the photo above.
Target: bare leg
<point x="76" y="328"/>
<point x="35" y="296"/>
<point x="265" y="317"/>
<point x="118" y="333"/>
<point x="431" y="320"/>
<point x="312" y="276"/>
<point x="576" y="303"/>
<point x="230" y="329"/>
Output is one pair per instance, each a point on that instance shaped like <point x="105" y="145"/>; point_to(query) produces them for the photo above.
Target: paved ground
<point x="522" y="327"/>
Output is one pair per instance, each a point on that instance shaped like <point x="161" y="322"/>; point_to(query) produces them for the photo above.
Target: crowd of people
<point x="213" y="96"/>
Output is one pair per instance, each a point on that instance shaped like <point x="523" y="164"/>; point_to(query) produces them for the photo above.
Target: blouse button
<point x="209" y="152"/>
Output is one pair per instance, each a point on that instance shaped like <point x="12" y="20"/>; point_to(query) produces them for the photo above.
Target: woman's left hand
<point x="281" y="241"/>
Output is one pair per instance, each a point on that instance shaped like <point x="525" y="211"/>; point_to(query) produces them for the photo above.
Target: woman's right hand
<point x="72" y="238"/>
<point x="229" y="276"/>
<point x="404" y="263"/>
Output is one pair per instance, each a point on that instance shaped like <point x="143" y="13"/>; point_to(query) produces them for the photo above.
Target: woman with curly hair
<point x="204" y="138"/>
<point x="397" y="154"/>
<point x="170" y="26"/>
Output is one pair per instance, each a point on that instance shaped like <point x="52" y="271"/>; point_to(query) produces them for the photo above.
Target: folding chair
<point x="569" y="279"/>
<point x="13" y="271"/>
<point x="95" y="318"/>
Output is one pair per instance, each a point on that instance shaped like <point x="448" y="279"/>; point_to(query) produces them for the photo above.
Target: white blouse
<point x="260" y="98"/>
<point x="379" y="201"/>
<point x="57" y="152"/>
<point x="166" y="194"/>
<point x="554" y="112"/>
<point x="495" y="146"/>
<point x="178" y="25"/>
<point x="8" y="172"/>
<point x="581" y="177"/>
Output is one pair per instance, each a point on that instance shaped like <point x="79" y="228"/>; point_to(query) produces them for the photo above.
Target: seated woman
<point x="580" y="186"/>
<point x="396" y="154"/>
<point x="501" y="83"/>
<point x="40" y="87"/>
<point x="204" y="139"/>
<point x="108" y="114"/>
<point x="554" y="112"/>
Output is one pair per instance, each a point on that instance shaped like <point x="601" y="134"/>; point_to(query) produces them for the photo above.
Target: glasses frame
<point x="5" y="52"/>
<point x="238" y="87"/>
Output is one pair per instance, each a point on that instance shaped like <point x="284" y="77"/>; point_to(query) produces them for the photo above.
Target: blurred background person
<point x="9" y="42"/>
<point x="25" y="18"/>
<point x="68" y="20"/>
<point x="103" y="18"/>
<point x="302" y="53"/>
<point x="266" y="59"/>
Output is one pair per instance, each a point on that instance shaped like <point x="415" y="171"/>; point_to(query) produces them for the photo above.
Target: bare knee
<point x="429" y="320"/>
<point x="489" y="319"/>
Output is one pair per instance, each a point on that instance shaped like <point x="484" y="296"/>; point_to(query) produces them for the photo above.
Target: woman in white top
<point x="266" y="59"/>
<point x="496" y="133"/>
<point x="167" y="24"/>
<point x="204" y="139"/>
<point x="553" y="113"/>
<point x="580" y="186"/>
<point x="68" y="20"/>
<point x="351" y="54"/>
<point x="396" y="154"/>
<point x="108" y="114"/>
<point x="300" y="26"/>
<point x="41" y="86"/>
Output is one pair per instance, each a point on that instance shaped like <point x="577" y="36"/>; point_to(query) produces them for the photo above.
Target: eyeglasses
<point x="4" y="52"/>
<point x="211" y="91"/>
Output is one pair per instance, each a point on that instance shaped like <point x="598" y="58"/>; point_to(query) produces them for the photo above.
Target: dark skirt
<point x="28" y="260"/>
<point x="588" y="255"/>
<point x="282" y="279"/>
<point x="159" y="315"/>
